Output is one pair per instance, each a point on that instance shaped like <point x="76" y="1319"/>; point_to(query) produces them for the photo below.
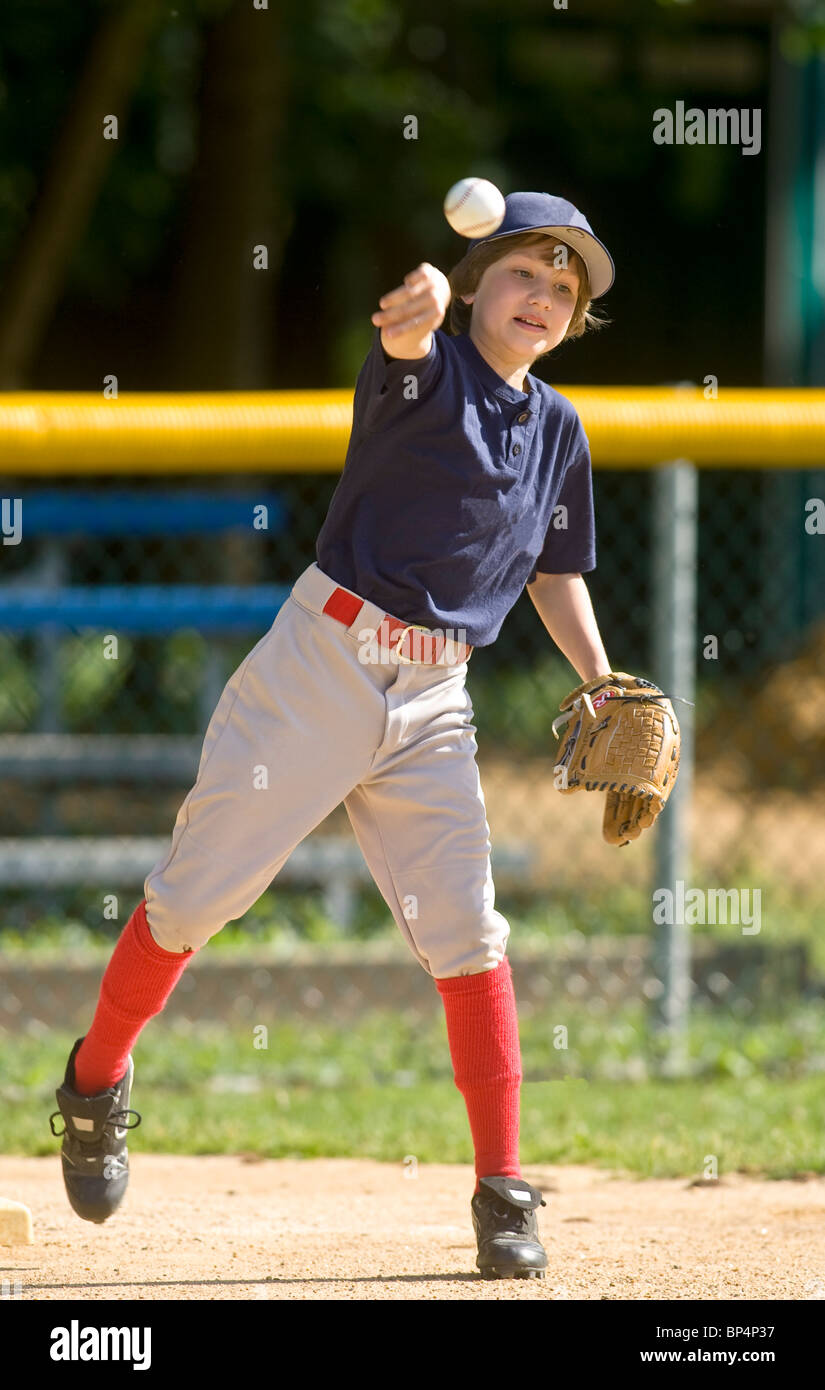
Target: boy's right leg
<point x="295" y="729"/>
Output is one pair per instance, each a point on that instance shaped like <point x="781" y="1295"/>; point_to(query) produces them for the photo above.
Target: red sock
<point x="137" y="983"/>
<point x="482" y="1030"/>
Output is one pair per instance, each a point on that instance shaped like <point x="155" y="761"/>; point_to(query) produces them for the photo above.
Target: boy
<point x="458" y="464"/>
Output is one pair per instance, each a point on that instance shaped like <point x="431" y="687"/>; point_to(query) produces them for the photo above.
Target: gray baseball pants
<point x="304" y="723"/>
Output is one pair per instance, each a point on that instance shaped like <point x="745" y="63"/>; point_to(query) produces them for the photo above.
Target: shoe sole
<point x="513" y="1273"/>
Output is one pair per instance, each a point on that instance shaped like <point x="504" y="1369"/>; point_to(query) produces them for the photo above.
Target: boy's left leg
<point x="482" y="1028"/>
<point x="420" y="820"/>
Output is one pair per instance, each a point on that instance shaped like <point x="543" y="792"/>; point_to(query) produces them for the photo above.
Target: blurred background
<point x="282" y="126"/>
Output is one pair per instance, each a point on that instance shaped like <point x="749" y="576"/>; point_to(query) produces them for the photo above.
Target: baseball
<point x="474" y="207"/>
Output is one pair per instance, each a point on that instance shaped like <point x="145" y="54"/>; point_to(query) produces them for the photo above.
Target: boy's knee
<point x="179" y="931"/>
<point x="477" y="944"/>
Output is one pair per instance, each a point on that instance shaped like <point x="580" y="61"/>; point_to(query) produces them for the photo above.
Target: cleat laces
<point x="115" y="1121"/>
<point x="516" y="1219"/>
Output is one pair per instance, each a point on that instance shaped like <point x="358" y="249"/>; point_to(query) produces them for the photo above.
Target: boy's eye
<point x="521" y="271"/>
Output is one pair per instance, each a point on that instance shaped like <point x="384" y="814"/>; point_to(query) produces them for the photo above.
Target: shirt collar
<point x="490" y="378"/>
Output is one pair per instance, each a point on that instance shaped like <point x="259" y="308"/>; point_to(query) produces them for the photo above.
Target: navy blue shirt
<point x="456" y="489"/>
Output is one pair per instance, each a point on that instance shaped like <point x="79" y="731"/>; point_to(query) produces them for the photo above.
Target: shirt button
<point x="522" y="419"/>
<point x="516" y="448"/>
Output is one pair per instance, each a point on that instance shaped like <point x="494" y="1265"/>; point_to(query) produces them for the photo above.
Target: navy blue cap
<point x="541" y="212"/>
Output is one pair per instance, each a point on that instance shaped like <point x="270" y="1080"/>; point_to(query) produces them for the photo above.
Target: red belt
<point x="410" y="643"/>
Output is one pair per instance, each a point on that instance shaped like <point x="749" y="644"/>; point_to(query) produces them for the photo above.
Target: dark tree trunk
<point x="222" y="307"/>
<point x="35" y="278"/>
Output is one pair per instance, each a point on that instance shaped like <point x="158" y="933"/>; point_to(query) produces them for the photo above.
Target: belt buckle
<point x="408" y="660"/>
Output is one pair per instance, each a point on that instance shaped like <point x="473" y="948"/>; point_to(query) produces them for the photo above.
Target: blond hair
<point x="465" y="277"/>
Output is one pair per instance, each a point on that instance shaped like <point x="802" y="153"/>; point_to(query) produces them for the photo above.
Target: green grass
<point x="383" y="1089"/>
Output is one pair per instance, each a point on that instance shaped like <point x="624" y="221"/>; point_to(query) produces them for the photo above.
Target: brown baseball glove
<point x="623" y="738"/>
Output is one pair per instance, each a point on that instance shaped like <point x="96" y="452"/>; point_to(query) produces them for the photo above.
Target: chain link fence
<point x="757" y="823"/>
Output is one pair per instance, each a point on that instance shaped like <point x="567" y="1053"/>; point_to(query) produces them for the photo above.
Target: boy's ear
<point x="467" y="298"/>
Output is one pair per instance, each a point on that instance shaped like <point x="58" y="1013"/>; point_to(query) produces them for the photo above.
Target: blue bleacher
<point x="54" y="516"/>
<point x="147" y="608"/>
<point x="119" y="513"/>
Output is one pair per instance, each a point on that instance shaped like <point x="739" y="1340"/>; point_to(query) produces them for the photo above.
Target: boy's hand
<point x="417" y="306"/>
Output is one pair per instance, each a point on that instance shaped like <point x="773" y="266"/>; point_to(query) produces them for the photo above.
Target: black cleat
<point x="94" y="1153"/>
<point x="504" y="1218"/>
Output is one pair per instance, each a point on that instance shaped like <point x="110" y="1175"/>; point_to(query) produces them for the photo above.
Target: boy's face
<point x="522" y="285"/>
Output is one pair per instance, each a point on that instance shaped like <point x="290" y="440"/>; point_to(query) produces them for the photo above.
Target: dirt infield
<point x="229" y="1228"/>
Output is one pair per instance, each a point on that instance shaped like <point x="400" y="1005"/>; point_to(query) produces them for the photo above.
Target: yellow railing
<point x="307" y="431"/>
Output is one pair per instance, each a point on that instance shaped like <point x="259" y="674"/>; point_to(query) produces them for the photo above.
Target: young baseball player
<point x="466" y="479"/>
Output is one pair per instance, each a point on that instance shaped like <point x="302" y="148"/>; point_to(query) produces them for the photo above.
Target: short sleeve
<point x="570" y="543"/>
<point x="388" y="385"/>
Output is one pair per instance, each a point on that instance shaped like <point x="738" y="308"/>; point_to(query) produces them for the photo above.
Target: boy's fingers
<point x="398" y="296"/>
<point x="412" y="305"/>
<point x="392" y="297"/>
<point x="415" y="304"/>
<point x="414" y="282"/>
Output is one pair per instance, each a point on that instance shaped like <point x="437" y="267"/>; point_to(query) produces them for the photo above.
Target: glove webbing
<point x="575" y="708"/>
